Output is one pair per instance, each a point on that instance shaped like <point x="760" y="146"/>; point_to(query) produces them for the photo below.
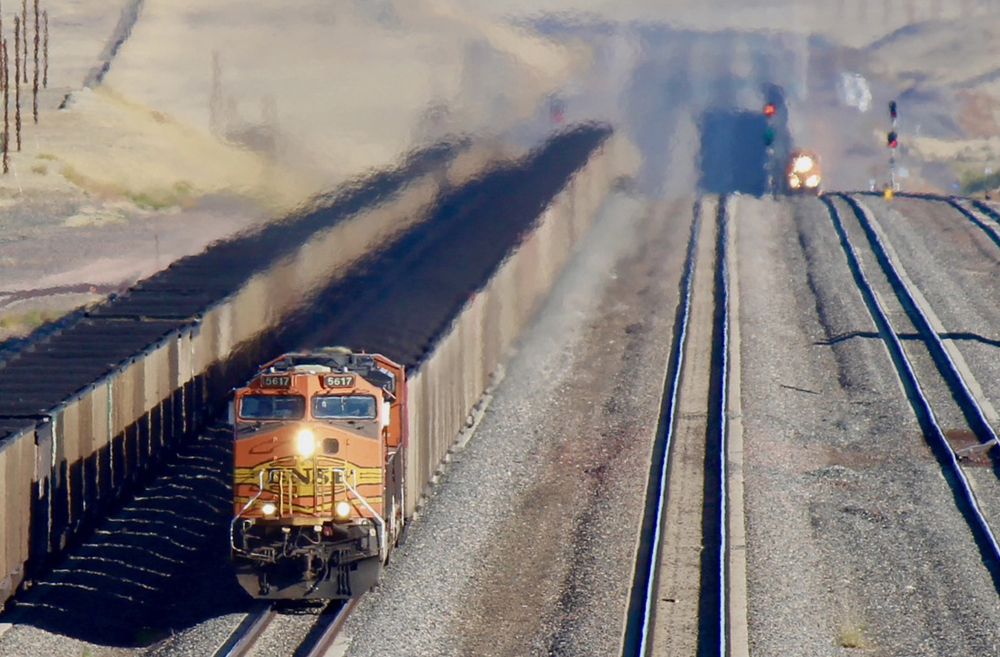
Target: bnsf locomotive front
<point x="318" y="476"/>
<point x="803" y="174"/>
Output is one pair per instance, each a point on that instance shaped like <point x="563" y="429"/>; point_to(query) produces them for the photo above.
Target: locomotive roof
<point x="364" y="365"/>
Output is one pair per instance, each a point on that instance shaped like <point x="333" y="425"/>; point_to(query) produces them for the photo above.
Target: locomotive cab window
<point x="272" y="407"/>
<point x="337" y="407"/>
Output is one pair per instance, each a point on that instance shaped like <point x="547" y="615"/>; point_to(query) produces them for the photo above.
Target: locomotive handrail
<point x="232" y="525"/>
<point x="375" y="516"/>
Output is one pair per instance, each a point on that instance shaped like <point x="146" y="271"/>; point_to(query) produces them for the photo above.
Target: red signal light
<point x="891" y="140"/>
<point x="769" y="110"/>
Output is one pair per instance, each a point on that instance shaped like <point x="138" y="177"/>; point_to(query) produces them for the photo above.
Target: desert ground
<point x="168" y="124"/>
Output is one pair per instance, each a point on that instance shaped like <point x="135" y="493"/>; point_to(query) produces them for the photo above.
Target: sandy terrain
<point x="259" y="107"/>
<point x="256" y="110"/>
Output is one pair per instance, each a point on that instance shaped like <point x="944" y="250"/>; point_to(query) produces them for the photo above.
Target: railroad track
<point x="946" y="360"/>
<point x="249" y="633"/>
<point x="979" y="214"/>
<point x="687" y="489"/>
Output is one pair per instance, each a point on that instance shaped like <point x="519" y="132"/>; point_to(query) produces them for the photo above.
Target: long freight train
<point x="318" y="474"/>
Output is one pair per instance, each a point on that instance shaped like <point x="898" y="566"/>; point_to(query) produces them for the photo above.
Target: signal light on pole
<point x="891" y="140"/>
<point x="769" y="110"/>
<point x="892" y="109"/>
<point x="768" y="136"/>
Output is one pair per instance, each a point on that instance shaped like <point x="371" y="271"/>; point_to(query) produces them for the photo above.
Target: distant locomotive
<point x="318" y="474"/>
<point x="803" y="173"/>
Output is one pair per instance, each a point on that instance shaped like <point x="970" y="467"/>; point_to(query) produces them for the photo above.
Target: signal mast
<point x="892" y="141"/>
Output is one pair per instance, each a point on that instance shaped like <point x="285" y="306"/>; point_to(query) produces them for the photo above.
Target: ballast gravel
<point x="526" y="545"/>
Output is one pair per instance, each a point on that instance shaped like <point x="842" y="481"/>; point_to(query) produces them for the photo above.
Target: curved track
<point x="965" y="496"/>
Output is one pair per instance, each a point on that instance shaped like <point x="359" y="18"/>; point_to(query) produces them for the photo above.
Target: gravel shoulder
<point x="520" y="549"/>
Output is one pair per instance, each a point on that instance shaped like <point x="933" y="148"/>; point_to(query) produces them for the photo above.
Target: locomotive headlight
<point x="793" y="181"/>
<point x="305" y="442"/>
<point x="802" y="164"/>
<point x="268" y="509"/>
<point x="343" y="509"/>
<point x="812" y="181"/>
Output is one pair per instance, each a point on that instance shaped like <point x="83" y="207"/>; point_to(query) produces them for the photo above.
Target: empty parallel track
<point x="702" y="322"/>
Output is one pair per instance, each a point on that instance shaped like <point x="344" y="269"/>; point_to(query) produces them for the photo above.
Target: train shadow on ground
<point x="158" y="564"/>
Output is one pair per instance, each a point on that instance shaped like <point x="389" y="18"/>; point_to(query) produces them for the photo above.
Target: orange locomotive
<point x="318" y="474"/>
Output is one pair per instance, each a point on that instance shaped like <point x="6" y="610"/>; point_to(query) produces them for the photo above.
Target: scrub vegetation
<point x="181" y="194"/>
<point x="17" y="322"/>
<point x="973" y="183"/>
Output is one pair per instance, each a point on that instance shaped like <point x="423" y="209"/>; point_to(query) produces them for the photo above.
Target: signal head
<point x="891" y="140"/>
<point x="892" y="108"/>
<point x="769" y="110"/>
<point x="768" y="136"/>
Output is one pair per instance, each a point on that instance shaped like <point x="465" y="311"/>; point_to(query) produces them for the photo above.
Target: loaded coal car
<point x="803" y="174"/>
<point x="318" y="474"/>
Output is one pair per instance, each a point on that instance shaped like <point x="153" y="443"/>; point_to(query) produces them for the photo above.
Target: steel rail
<point x="933" y="433"/>
<point x="329" y="633"/>
<point x="319" y="639"/>
<point x="967" y="401"/>
<point x="986" y="209"/>
<point x="713" y="608"/>
<point x="247" y="632"/>
<point x="720" y="376"/>
<point x="990" y="231"/>
<point x="639" y="618"/>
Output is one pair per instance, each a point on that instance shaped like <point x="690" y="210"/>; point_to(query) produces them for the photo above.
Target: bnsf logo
<point x="322" y="478"/>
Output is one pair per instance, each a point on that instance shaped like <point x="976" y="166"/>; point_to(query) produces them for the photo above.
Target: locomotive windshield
<point x="272" y="407"/>
<point x="343" y="406"/>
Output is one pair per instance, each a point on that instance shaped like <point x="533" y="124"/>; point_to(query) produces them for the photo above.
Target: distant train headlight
<point x="268" y="509"/>
<point x="343" y="509"/>
<point x="812" y="181"/>
<point x="802" y="164"/>
<point x="305" y="442"/>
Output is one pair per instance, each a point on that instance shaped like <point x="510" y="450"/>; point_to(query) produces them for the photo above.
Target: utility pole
<point x="34" y="86"/>
<point x="45" y="49"/>
<point x="24" y="26"/>
<point x="5" y="75"/>
<point x="17" y="79"/>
